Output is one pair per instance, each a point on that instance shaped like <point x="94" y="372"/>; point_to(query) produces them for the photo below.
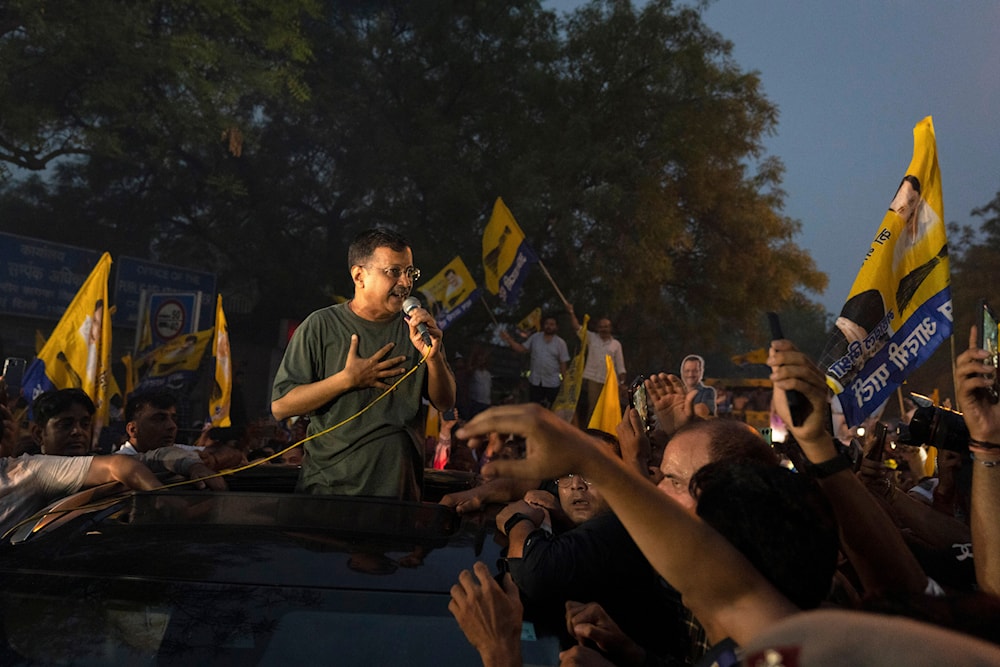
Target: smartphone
<point x="13" y="377"/>
<point x="877" y="452"/>
<point x="637" y="399"/>
<point x="449" y="416"/>
<point x="798" y="404"/>
<point x="988" y="341"/>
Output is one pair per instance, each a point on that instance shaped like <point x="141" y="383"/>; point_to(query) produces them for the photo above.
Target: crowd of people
<point x="685" y="538"/>
<point x="792" y="554"/>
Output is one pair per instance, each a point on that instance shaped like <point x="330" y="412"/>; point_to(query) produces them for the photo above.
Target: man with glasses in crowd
<point x="344" y="357"/>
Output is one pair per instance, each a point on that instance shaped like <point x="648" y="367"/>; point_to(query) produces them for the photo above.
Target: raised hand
<point x="553" y="447"/>
<point x="672" y="405"/>
<point x="634" y="443"/>
<point x="792" y="369"/>
<point x="972" y="379"/>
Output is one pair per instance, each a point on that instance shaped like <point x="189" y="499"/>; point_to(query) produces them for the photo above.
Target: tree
<point x="140" y="80"/>
<point x="245" y="140"/>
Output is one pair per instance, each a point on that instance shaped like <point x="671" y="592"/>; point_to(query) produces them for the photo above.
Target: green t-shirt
<point x="379" y="453"/>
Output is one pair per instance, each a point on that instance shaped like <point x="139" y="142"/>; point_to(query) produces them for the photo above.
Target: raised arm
<point x="873" y="543"/>
<point x="572" y="315"/>
<point x="672" y="405"/>
<point x="982" y="416"/>
<point x="514" y="345"/>
<point x="725" y="592"/>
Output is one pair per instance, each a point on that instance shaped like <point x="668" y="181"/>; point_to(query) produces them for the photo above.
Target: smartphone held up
<point x="638" y="400"/>
<point x="988" y="341"/>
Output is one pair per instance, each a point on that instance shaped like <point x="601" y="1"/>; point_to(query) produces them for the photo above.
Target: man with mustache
<point x="344" y="357"/>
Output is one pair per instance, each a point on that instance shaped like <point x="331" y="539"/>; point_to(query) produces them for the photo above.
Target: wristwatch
<point x="517" y="518"/>
<point x="827" y="468"/>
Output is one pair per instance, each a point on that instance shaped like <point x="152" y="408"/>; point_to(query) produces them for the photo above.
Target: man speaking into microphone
<point x="344" y="357"/>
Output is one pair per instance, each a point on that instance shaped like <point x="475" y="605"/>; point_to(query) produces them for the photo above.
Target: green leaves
<point x="256" y="138"/>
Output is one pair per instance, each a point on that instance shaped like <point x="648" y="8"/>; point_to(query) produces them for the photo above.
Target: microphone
<point x="410" y="304"/>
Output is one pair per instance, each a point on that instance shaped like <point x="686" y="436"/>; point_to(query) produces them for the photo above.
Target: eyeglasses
<point x="567" y="481"/>
<point x="396" y="272"/>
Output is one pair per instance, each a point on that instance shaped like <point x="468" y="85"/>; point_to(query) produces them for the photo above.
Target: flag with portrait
<point x="899" y="308"/>
<point x="78" y="353"/>
<point x="506" y="255"/>
<point x="174" y="366"/>
<point x="450" y="293"/>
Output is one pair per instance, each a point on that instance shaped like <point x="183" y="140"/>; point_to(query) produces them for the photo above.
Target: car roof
<point x="266" y="537"/>
<point x="245" y="576"/>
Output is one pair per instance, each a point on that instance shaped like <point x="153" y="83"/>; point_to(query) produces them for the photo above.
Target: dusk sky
<point x="851" y="79"/>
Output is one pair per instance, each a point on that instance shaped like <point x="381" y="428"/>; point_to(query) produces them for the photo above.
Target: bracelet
<point x="517" y="518"/>
<point x="984" y="444"/>
<point x="988" y="463"/>
<point x="828" y="468"/>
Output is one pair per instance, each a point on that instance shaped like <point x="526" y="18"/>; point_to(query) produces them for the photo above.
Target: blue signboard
<point x="39" y="278"/>
<point x="133" y="276"/>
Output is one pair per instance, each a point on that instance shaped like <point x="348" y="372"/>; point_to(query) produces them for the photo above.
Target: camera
<point x="933" y="425"/>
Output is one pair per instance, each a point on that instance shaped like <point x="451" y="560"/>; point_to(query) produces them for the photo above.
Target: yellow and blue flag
<point x="222" y="389"/>
<point x="506" y="255"/>
<point x="899" y="308"/>
<point x="450" y="293"/>
<point x="174" y="366"/>
<point x="78" y="353"/>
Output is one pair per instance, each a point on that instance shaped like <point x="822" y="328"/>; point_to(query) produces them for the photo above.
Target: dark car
<point x="253" y="576"/>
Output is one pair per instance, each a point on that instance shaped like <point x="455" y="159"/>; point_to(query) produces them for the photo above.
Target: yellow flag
<point x="899" y="308"/>
<point x="432" y="425"/>
<point x="130" y="375"/>
<point x="78" y="353"/>
<point x="222" y="389"/>
<point x="608" y="411"/>
<point x="532" y="322"/>
<point x="506" y="256"/>
<point x="450" y="293"/>
<point x="758" y="356"/>
<point x="572" y="384"/>
<point x="174" y="366"/>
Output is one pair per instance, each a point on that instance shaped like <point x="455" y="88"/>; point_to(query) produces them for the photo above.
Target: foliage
<point x="255" y="139"/>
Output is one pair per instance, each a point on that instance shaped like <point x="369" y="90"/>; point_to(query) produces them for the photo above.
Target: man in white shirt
<point x="599" y="345"/>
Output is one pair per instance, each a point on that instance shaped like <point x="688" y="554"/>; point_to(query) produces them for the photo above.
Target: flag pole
<point x="554" y="286"/>
<point x="488" y="310"/>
